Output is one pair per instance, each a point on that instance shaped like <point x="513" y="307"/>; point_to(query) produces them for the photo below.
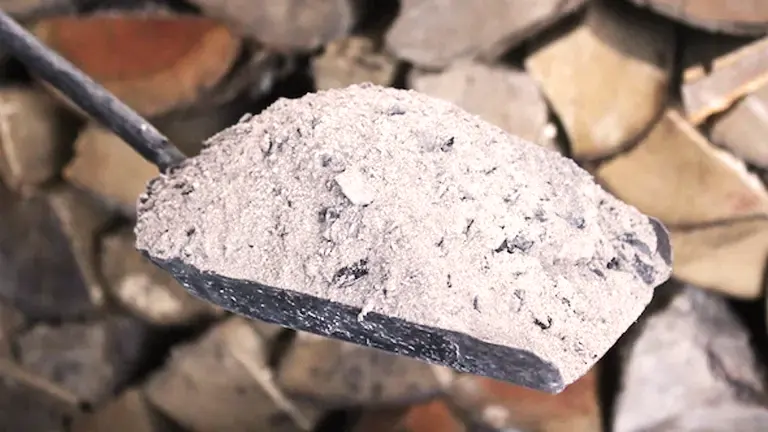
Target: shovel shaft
<point x="88" y="95"/>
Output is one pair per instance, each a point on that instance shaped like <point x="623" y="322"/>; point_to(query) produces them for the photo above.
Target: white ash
<point x="447" y="221"/>
<point x="355" y="187"/>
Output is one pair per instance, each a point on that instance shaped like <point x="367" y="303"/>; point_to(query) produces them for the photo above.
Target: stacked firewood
<point x="665" y="102"/>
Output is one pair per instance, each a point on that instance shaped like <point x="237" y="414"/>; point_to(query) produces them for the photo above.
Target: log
<point x="747" y="17"/>
<point x="155" y="64"/>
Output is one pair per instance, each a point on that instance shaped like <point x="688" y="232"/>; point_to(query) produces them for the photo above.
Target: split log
<point x="730" y="257"/>
<point x="502" y="406"/>
<point x="129" y="412"/>
<point x="154" y="64"/>
<point x="714" y="207"/>
<point x="34" y="137"/>
<point x="726" y="418"/>
<point x="715" y="85"/>
<point x="338" y="374"/>
<point x="92" y="360"/>
<point x="432" y="34"/>
<point x="31" y="403"/>
<point x="48" y="270"/>
<point x="188" y="129"/>
<point x="607" y="77"/>
<point x="143" y="288"/>
<point x="27" y="10"/>
<point x="82" y="218"/>
<point x="286" y="25"/>
<point x="743" y="129"/>
<point x="110" y="169"/>
<point x="678" y="176"/>
<point x="354" y="60"/>
<point x="223" y="382"/>
<point x="11" y="321"/>
<point x="433" y="416"/>
<point x="506" y="97"/>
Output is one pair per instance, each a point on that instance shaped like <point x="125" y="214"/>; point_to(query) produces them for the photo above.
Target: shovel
<point x="544" y="341"/>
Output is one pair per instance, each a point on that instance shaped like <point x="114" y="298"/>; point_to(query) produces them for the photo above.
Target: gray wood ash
<point x="457" y="244"/>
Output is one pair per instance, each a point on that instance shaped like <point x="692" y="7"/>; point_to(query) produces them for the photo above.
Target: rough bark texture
<point x="388" y="218"/>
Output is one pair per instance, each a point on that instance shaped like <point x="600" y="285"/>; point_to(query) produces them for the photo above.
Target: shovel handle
<point x="88" y="95"/>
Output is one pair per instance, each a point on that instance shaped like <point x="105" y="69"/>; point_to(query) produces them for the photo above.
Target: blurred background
<point x="665" y="102"/>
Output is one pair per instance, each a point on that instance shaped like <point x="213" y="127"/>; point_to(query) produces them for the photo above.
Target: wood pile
<point x="665" y="102"/>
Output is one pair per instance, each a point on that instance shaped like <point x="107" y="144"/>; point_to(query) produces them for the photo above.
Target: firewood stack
<point x="665" y="102"/>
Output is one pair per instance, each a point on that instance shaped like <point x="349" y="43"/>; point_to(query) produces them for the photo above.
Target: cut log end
<point x="190" y="55"/>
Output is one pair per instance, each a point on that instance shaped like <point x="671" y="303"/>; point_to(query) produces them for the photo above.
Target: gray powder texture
<point x="397" y="203"/>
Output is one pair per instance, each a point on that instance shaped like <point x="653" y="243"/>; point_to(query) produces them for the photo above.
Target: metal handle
<point x="88" y="95"/>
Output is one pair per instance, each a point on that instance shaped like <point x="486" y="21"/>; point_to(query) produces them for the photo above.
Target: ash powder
<point x="395" y="202"/>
